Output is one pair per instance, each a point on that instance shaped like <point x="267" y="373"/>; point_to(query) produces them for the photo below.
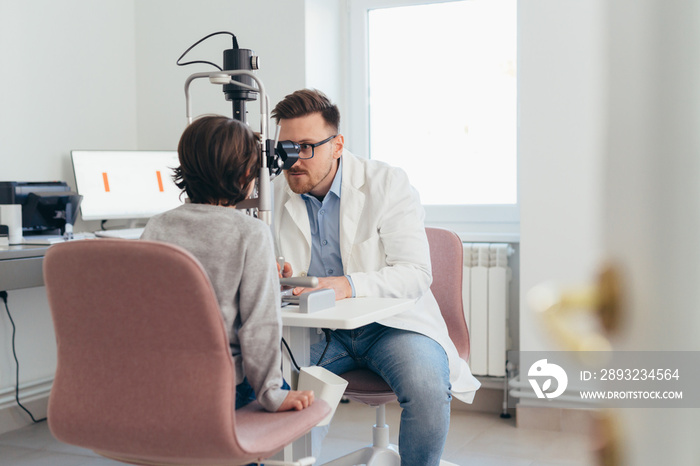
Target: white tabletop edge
<point x="347" y="313"/>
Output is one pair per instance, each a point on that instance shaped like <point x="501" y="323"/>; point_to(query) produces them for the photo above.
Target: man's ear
<point x="338" y="145"/>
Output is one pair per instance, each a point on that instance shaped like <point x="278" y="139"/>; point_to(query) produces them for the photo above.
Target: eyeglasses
<point x="306" y="149"/>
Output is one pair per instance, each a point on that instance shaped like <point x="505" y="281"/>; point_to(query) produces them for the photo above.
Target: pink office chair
<point x="145" y="374"/>
<point x="367" y="387"/>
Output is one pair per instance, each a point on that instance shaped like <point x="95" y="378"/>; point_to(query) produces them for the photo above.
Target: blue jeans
<point x="245" y="393"/>
<point x="416" y="369"/>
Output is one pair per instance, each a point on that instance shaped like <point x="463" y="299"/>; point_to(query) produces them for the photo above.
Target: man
<point x="358" y="225"/>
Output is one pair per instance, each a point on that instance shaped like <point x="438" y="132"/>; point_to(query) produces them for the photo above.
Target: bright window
<point x="440" y="87"/>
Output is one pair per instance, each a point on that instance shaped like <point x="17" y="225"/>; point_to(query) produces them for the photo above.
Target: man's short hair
<point x="305" y="102"/>
<point x="219" y="158"/>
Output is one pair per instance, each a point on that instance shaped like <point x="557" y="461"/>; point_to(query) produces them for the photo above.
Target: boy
<point x="219" y="159"/>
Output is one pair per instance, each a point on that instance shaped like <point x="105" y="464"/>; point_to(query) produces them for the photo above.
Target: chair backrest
<point x="144" y="364"/>
<point x="446" y="254"/>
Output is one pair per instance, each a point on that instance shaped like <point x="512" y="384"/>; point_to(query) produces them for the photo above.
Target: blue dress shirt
<point x="324" y="221"/>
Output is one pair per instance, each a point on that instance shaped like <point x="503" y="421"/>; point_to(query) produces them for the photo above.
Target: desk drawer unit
<point x="21" y="273"/>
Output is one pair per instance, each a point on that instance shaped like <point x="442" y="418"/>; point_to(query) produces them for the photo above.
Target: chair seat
<point x="262" y="431"/>
<point x="259" y="433"/>
<point x="367" y="387"/>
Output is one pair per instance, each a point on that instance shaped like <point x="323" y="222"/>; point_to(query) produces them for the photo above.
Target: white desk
<point x="299" y="333"/>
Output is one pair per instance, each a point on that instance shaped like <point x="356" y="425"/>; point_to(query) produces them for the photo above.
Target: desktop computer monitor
<point x="129" y="184"/>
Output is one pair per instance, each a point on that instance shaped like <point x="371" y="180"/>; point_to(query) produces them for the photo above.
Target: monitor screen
<point x="125" y="184"/>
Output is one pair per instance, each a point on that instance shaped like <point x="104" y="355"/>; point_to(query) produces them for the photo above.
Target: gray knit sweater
<point x="237" y="253"/>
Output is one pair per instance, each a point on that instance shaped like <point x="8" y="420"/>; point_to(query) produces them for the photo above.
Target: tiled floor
<point x="475" y="439"/>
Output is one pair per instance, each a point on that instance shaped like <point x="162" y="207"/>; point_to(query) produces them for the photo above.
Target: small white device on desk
<point x="311" y="301"/>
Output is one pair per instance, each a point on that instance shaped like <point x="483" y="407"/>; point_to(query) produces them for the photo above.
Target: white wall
<point x="326" y="43"/>
<point x="273" y="29"/>
<point x="68" y="81"/>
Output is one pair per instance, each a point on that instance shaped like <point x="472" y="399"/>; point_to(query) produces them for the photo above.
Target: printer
<point x="48" y="208"/>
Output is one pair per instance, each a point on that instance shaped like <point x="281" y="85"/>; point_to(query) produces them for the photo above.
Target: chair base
<point x="370" y="456"/>
<point x="380" y="453"/>
<point x="374" y="456"/>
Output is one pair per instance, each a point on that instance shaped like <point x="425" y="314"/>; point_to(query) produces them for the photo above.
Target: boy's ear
<point x="243" y="179"/>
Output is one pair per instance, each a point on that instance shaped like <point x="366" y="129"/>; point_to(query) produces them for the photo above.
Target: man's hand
<point x="297" y="400"/>
<point x="340" y="285"/>
<point x="286" y="271"/>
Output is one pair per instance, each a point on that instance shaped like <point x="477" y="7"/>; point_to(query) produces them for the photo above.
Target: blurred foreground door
<point x="650" y="187"/>
<point x="651" y="190"/>
<point x="652" y="194"/>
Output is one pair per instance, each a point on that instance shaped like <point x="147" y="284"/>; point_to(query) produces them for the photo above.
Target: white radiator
<point x="485" y="296"/>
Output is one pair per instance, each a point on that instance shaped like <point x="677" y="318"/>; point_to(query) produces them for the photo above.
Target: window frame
<point x="497" y="218"/>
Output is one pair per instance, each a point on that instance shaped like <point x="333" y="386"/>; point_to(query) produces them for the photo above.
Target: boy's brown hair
<point x="219" y="158"/>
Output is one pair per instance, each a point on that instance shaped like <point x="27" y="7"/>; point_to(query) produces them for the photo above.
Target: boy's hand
<point x="297" y="400"/>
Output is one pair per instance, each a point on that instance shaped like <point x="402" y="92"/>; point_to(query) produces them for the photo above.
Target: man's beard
<point x="307" y="182"/>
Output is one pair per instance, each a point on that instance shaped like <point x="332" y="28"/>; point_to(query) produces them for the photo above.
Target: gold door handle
<point x="580" y="319"/>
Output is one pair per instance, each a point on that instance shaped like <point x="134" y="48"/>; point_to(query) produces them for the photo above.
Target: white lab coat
<point x="383" y="246"/>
